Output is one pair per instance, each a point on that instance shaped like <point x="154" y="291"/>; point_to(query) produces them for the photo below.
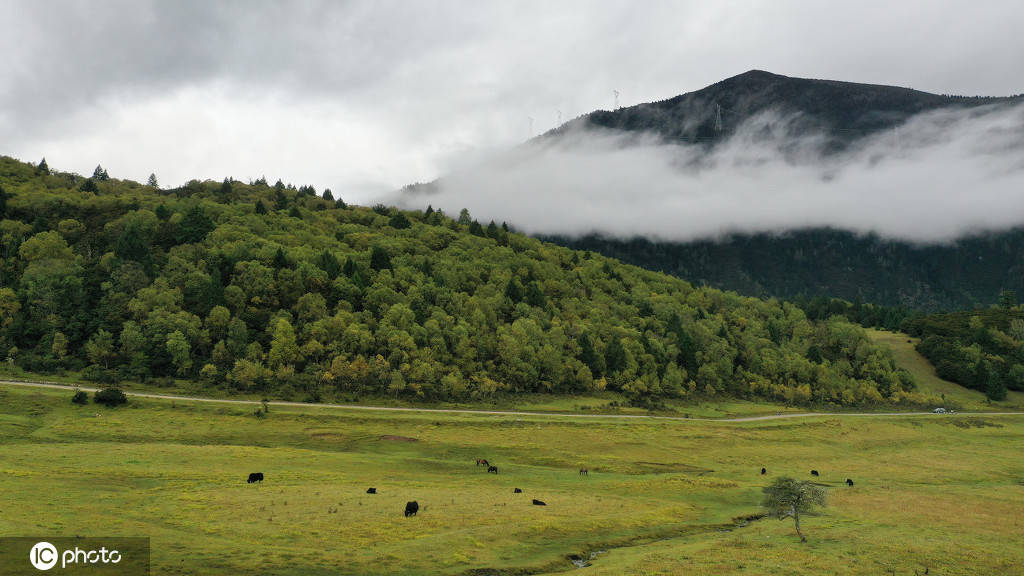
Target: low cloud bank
<point x="937" y="177"/>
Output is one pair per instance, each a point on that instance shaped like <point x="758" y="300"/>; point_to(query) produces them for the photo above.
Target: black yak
<point x="411" y="508"/>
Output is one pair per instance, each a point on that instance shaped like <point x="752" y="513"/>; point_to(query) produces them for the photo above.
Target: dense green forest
<point x="815" y="263"/>
<point x="292" y="293"/>
<point x="981" y="349"/>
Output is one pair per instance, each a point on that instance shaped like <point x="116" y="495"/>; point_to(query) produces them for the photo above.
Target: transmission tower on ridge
<point x="718" y="117"/>
<point x="616" y="92"/>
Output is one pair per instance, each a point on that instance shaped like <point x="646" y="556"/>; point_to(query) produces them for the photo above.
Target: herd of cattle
<point x="411" y="508"/>
<point x="814" y="473"/>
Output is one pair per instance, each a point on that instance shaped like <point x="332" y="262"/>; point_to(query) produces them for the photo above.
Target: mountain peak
<point x="844" y="111"/>
<point x="754" y="75"/>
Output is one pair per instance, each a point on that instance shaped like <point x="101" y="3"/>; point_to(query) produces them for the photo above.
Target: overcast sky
<point x="363" y="97"/>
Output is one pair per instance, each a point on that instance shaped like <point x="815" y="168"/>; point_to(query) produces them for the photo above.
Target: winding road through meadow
<point x="52" y="385"/>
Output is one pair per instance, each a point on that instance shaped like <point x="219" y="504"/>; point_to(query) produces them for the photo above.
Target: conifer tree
<point x="280" y="261"/>
<point x="379" y="259"/>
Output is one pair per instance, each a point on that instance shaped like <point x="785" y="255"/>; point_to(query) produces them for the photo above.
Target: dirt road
<point x="508" y="412"/>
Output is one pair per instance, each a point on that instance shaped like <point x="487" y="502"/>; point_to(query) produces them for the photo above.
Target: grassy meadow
<point x="662" y="497"/>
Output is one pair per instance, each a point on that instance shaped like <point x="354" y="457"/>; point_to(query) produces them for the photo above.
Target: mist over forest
<point x="938" y="176"/>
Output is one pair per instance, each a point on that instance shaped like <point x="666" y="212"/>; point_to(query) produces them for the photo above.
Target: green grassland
<point x="662" y="496"/>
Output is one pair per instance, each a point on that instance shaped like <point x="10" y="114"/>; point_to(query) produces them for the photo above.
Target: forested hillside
<point x="811" y="263"/>
<point x="981" y="349"/>
<point x="291" y="293"/>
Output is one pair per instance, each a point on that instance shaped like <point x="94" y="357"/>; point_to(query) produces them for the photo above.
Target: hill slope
<point x="981" y="349"/>
<point x="845" y="111"/>
<point x="275" y="290"/>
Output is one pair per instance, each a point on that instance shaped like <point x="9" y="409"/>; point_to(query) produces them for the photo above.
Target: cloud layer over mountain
<point x="938" y="176"/>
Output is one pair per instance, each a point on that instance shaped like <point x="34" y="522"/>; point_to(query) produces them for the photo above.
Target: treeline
<point x="288" y="292"/>
<point x="891" y="318"/>
<point x="829" y="263"/>
<point x="981" y="349"/>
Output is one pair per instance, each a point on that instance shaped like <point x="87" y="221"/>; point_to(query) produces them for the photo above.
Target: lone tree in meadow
<point x="791" y="497"/>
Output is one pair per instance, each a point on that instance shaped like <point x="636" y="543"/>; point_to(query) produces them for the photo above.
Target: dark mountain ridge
<point x="843" y="111"/>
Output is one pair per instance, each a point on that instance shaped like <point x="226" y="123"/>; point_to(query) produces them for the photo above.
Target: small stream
<point x="583" y="561"/>
<point x="586" y="559"/>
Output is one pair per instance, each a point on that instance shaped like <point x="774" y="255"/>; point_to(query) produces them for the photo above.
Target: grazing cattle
<point x="517" y="491"/>
<point x="538" y="502"/>
<point x="371" y="490"/>
<point x="764" y="471"/>
<point x="814" y="472"/>
<point x="584" y="472"/>
<point x="849" y="482"/>
<point x="492" y="469"/>
<point x="482" y="462"/>
<point x="255" y="477"/>
<point x="411" y="508"/>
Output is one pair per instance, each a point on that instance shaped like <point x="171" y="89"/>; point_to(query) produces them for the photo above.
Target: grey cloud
<point x="938" y="177"/>
<point x="437" y="79"/>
